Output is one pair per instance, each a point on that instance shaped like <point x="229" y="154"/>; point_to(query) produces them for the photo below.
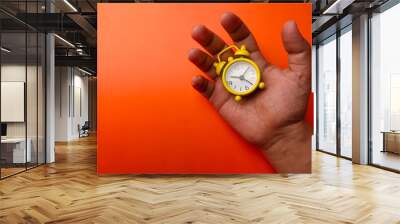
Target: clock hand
<point x="243" y="78"/>
<point x="248" y="81"/>
<point x="245" y="71"/>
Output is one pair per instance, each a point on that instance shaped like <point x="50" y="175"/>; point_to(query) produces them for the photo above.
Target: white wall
<point x="16" y="73"/>
<point x="81" y="84"/>
<point x="71" y="94"/>
<point x="13" y="101"/>
<point x="61" y="103"/>
<point x="13" y="73"/>
<point x="33" y="127"/>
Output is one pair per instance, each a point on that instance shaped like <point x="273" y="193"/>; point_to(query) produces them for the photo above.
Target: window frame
<point x="337" y="34"/>
<point x="381" y="9"/>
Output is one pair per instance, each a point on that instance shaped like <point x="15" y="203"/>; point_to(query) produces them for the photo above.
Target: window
<point x="327" y="95"/>
<point x="346" y="92"/>
<point x="22" y="77"/>
<point x="385" y="89"/>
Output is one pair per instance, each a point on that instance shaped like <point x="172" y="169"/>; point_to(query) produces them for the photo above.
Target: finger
<point x="298" y="49"/>
<point x="240" y="34"/>
<point x="238" y="31"/>
<point x="204" y="86"/>
<point x="209" y="40"/>
<point x="203" y="61"/>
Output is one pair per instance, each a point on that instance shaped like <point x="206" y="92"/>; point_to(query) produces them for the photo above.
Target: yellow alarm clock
<point x="240" y="75"/>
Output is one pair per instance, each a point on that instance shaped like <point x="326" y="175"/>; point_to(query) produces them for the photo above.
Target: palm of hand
<point x="261" y="116"/>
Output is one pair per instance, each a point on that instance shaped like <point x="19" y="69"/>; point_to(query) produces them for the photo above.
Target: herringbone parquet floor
<point x="69" y="191"/>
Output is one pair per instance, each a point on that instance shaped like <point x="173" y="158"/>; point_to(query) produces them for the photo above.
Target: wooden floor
<point x="5" y="172"/>
<point x="69" y="191"/>
<point x="388" y="159"/>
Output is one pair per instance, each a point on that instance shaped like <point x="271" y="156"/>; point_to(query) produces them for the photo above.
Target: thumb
<point x="298" y="49"/>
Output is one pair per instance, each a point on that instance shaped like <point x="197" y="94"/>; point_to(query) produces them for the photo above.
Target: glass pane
<point x="327" y="96"/>
<point x="31" y="87"/>
<point x="22" y="74"/>
<point x="385" y="87"/>
<point x="346" y="94"/>
<point x="41" y="98"/>
<point x="31" y="100"/>
<point x="13" y="88"/>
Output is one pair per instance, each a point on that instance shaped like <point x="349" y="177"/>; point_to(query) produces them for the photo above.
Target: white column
<point x="50" y="99"/>
<point x="50" y="92"/>
<point x="360" y="90"/>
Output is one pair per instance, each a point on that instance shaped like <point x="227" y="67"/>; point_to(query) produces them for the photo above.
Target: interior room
<point x="22" y="100"/>
<point x="49" y="123"/>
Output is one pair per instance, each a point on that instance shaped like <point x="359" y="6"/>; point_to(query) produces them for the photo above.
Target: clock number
<point x="230" y="83"/>
<point x="246" y="88"/>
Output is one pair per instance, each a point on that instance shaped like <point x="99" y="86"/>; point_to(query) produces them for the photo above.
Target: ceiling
<point x="76" y="22"/>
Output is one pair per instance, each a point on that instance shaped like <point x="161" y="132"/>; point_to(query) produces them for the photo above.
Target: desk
<point x="13" y="150"/>
<point x="391" y="141"/>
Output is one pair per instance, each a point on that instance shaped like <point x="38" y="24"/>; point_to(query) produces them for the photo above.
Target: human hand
<point x="273" y="118"/>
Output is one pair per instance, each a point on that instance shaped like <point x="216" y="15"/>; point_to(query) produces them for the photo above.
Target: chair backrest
<point x="86" y="124"/>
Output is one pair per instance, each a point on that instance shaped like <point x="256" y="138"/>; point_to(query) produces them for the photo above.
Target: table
<point x="13" y="150"/>
<point x="391" y="141"/>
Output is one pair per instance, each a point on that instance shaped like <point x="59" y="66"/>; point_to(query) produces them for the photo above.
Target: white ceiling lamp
<point x="70" y="5"/>
<point x="5" y="50"/>
<point x="337" y="7"/>
<point x="64" y="40"/>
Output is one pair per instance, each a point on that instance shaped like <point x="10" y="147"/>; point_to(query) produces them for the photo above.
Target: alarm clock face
<point x="241" y="77"/>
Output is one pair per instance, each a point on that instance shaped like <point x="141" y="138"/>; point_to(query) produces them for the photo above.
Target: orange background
<point x="150" y="119"/>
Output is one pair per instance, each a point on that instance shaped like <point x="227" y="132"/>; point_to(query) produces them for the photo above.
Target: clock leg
<point x="238" y="98"/>
<point x="261" y="85"/>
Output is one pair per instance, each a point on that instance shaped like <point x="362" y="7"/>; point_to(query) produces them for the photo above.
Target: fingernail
<point x="196" y="81"/>
<point x="292" y="24"/>
<point x="191" y="52"/>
